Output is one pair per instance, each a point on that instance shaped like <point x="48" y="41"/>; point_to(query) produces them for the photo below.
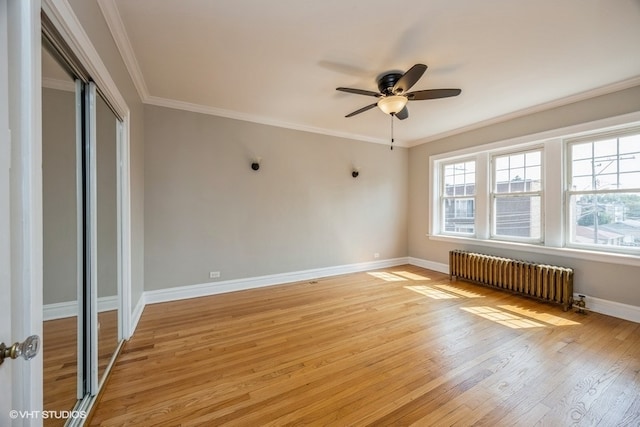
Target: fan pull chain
<point x="391" y="131"/>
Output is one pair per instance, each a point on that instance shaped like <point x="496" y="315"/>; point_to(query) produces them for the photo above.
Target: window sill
<point x="611" y="258"/>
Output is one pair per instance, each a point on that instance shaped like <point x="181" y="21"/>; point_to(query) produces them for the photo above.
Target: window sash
<point x="453" y="224"/>
<point x="556" y="194"/>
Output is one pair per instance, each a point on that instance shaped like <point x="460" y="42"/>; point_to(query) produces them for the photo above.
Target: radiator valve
<point x="581" y="305"/>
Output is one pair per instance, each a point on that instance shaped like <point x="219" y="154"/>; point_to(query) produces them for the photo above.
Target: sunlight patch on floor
<point x="543" y="317"/>
<point x="503" y="317"/>
<point x="410" y="276"/>
<point x="431" y="292"/>
<point x="389" y="277"/>
<point x="461" y="292"/>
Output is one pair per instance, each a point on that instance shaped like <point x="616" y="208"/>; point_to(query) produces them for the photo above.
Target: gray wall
<point x="59" y="204"/>
<point x="602" y="280"/>
<point x="88" y="13"/>
<point x="207" y="210"/>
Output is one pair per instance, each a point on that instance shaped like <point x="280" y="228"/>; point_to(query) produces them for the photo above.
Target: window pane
<point x="534" y="158"/>
<point x="612" y="164"/>
<point x="518" y="216"/>
<point x="606" y="148"/>
<point x="630" y="144"/>
<point x="606" y="219"/>
<point x="630" y="163"/>
<point x="630" y="180"/>
<point x="459" y="215"/>
<point x="518" y="172"/>
<point x="459" y="179"/>
<point x="582" y="151"/>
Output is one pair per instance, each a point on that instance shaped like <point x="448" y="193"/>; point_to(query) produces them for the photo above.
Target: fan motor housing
<point x="387" y="82"/>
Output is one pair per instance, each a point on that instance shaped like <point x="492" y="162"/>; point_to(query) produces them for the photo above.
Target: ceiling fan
<point x="393" y="95"/>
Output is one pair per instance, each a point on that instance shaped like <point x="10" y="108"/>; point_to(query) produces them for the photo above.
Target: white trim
<point x="125" y="230"/>
<point x="596" y="126"/>
<point x="213" y="288"/>
<point x="552" y="140"/>
<point x="60" y="310"/>
<point x="112" y="16"/>
<point x="64" y="19"/>
<point x="603" y="90"/>
<point x="611" y="308"/>
<point x="25" y="106"/>
<point x="429" y="265"/>
<point x="597" y="305"/>
<point x="66" y="22"/>
<point x="137" y="314"/>
<point x="220" y="112"/>
<point x="611" y="257"/>
<point x="6" y="315"/>
<point x="57" y="84"/>
<point x="113" y="19"/>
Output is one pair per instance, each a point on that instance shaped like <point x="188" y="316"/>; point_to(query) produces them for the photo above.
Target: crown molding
<point x="204" y="109"/>
<point x="113" y="19"/>
<point x="118" y="32"/>
<point x="114" y="22"/>
<point x="582" y="96"/>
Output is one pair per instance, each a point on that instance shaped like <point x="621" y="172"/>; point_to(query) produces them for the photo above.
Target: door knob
<point x="26" y="349"/>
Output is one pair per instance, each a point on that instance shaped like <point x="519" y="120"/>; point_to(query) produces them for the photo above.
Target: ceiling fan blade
<point x="358" y="91"/>
<point x="420" y="95"/>
<point x="403" y="114"/>
<point x="362" y="110"/>
<point x="409" y="78"/>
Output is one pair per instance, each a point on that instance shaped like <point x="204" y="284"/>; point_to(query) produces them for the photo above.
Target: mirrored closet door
<point x="82" y="245"/>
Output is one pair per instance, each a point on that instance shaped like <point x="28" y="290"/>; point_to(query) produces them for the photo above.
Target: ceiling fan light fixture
<point x="392" y="104"/>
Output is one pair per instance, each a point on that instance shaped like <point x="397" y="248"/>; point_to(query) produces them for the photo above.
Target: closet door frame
<point x="63" y="19"/>
<point x="95" y="81"/>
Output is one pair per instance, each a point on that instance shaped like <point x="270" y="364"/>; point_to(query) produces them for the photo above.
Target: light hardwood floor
<point x="60" y="366"/>
<point x="399" y="346"/>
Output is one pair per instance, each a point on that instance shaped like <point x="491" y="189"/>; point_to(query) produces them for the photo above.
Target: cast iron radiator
<point x="545" y="282"/>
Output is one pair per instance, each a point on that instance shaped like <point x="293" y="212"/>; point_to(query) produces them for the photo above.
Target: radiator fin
<point x="545" y="282"/>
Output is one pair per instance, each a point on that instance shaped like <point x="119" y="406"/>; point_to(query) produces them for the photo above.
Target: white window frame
<point x="569" y="192"/>
<point x="555" y="225"/>
<point x="494" y="195"/>
<point x="443" y="197"/>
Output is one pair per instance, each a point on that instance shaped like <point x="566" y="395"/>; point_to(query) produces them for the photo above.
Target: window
<point x="517" y="195"/>
<point x="604" y="191"/>
<point x="458" y="197"/>
<point x="581" y="192"/>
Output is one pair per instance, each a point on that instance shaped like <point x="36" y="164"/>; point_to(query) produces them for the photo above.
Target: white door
<point x="20" y="207"/>
<point x="5" y="278"/>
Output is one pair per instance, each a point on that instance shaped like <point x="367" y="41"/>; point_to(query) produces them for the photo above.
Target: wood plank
<point x="402" y="347"/>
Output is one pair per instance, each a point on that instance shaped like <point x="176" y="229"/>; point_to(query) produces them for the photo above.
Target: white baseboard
<point x="213" y="288"/>
<point x="61" y="310"/>
<point x="137" y="314"/>
<point x="611" y="308"/>
<point x="429" y="265"/>
<point x="598" y="305"/>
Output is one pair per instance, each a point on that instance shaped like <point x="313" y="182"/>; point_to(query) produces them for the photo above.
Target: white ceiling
<point x="279" y="62"/>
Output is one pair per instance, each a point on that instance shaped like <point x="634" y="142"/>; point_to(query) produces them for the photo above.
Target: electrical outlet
<point x="214" y="274"/>
<point x="376" y="255"/>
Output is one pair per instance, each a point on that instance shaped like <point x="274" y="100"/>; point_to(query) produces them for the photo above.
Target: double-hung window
<point x="603" y="191"/>
<point x="516" y="196"/>
<point x="458" y="197"/>
<point x="573" y="192"/>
